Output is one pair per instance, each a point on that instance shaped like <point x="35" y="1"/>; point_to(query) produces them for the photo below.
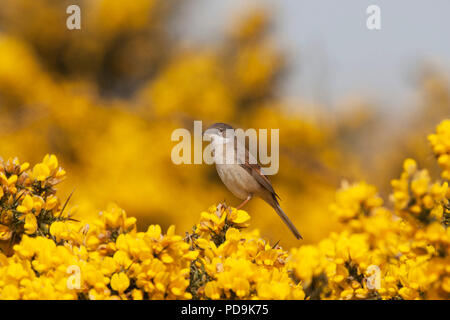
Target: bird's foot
<point x="244" y="202"/>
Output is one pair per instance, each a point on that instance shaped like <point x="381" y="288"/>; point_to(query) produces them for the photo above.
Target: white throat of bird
<point x="219" y="140"/>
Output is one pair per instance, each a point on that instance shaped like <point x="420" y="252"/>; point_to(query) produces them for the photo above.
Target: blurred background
<point x="350" y="103"/>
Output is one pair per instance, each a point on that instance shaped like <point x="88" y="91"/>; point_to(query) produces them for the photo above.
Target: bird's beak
<point x="205" y="132"/>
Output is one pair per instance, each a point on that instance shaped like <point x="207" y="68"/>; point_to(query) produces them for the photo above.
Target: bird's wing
<point x="254" y="169"/>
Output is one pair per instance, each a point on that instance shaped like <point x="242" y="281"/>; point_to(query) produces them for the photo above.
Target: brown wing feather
<point x="255" y="170"/>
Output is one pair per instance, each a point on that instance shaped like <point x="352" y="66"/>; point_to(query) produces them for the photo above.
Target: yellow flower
<point x="27" y="204"/>
<point x="410" y="166"/>
<point x="440" y="142"/>
<point x="120" y="282"/>
<point x="12" y="180"/>
<point x="5" y="232"/>
<point x="239" y="217"/>
<point x="10" y="292"/>
<point x="51" y="203"/>
<point x="212" y="290"/>
<point x="50" y="161"/>
<point x="241" y="287"/>
<point x="355" y="200"/>
<point x="122" y="258"/>
<point x="30" y="223"/>
<point x="58" y="229"/>
<point x="40" y="172"/>
<point x="137" y="294"/>
<point x="24" y="167"/>
<point x="154" y="231"/>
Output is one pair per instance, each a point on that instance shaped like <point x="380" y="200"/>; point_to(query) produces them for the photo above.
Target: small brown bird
<point x="240" y="172"/>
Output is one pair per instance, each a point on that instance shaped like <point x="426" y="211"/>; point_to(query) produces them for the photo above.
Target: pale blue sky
<point x="333" y="54"/>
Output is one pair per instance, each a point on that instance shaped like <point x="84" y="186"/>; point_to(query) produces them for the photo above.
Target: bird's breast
<point x="237" y="180"/>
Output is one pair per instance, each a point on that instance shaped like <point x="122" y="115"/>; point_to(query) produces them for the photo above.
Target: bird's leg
<point x="245" y="201"/>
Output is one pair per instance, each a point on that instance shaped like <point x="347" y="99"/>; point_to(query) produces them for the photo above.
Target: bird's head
<point x="218" y="132"/>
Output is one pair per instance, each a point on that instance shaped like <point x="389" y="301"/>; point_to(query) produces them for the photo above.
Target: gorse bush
<point x="398" y="251"/>
<point x="106" y="99"/>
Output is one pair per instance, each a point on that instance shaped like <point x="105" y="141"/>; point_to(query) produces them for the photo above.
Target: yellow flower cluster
<point x="127" y="265"/>
<point x="351" y="201"/>
<point x="415" y="196"/>
<point x="402" y="253"/>
<point x="382" y="253"/>
<point x="380" y="256"/>
<point x="56" y="257"/>
<point x="440" y="141"/>
<point x="237" y="265"/>
<point x="27" y="198"/>
<point x="52" y="256"/>
<point x="107" y="258"/>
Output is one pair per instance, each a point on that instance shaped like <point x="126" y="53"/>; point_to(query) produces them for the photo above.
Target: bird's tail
<point x="286" y="220"/>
